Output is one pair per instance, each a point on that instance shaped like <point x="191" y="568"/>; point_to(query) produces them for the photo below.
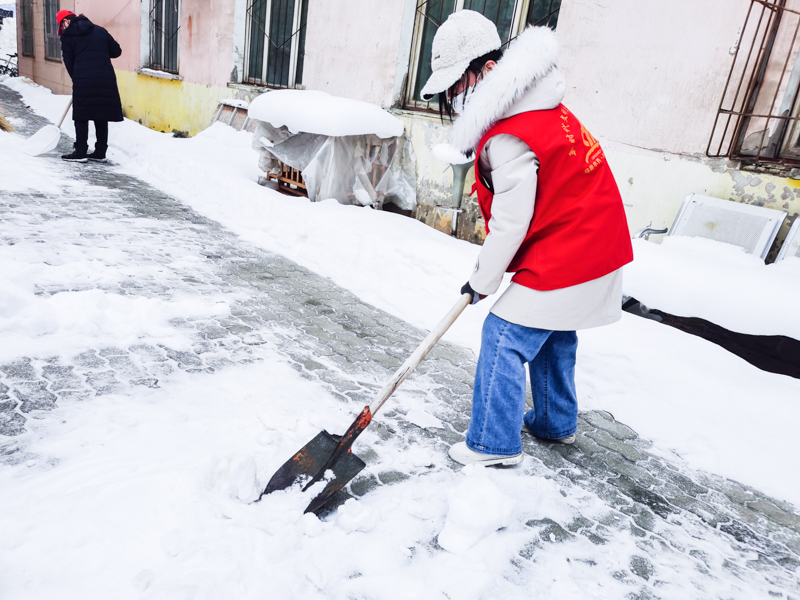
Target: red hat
<point x="63" y="14"/>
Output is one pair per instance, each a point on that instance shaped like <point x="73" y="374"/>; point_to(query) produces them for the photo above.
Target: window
<point x="26" y="19"/>
<point x="510" y="16"/>
<point x="52" y="43"/>
<point x="164" y="26"/>
<point x="275" y="42"/>
<point x="758" y="118"/>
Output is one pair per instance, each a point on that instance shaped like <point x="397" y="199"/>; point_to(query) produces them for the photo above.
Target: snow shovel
<point x="328" y="453"/>
<point x="46" y="138"/>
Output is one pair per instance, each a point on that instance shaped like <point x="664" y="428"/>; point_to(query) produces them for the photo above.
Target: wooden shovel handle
<point x="64" y="116"/>
<point x="420" y="353"/>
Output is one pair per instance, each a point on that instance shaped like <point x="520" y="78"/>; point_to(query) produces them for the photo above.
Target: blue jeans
<point x="498" y="400"/>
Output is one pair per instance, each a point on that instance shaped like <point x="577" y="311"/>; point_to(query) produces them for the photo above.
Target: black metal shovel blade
<point x="308" y="461"/>
<point x="344" y="467"/>
<point x="313" y="457"/>
<point x="324" y="453"/>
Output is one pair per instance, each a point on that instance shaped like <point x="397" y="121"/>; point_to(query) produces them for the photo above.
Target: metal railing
<point x="164" y="28"/>
<point x="757" y="121"/>
<point x="26" y="19"/>
<point x="275" y="42"/>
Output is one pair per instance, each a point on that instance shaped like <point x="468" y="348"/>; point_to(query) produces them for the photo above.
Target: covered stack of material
<point x="352" y="151"/>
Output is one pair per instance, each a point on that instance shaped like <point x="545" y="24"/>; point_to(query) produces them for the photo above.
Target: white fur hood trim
<point x="529" y="59"/>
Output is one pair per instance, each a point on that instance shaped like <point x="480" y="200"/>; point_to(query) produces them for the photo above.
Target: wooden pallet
<point x="290" y="181"/>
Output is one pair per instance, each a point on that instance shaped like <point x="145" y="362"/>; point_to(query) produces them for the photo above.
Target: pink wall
<point x="206" y="41"/>
<point x="205" y="38"/>
<point x="121" y="19"/>
<point x="352" y="48"/>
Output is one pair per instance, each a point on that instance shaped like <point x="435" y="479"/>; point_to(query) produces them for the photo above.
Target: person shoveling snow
<point x="554" y="217"/>
<point x="88" y="49"/>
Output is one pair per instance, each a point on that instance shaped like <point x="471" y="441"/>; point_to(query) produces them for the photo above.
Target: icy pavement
<point x="607" y="517"/>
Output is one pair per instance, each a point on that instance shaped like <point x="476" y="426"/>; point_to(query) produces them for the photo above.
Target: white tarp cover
<point x="308" y="111"/>
<point x="363" y="169"/>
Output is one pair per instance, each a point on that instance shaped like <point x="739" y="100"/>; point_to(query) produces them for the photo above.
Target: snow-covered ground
<point x="687" y="395"/>
<point x="8" y="38"/>
<point x="148" y="494"/>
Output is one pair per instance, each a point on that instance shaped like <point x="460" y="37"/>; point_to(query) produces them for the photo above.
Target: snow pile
<point x="317" y="112"/>
<point x="73" y="321"/>
<point x="696" y="277"/>
<point x="8" y="38"/>
<point x="235" y="103"/>
<point x="476" y="508"/>
<point x="20" y="172"/>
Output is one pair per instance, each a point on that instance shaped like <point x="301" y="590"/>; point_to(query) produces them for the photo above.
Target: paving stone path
<point x="690" y="528"/>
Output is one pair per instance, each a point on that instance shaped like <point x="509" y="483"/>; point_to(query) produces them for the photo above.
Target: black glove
<point x="467" y="289"/>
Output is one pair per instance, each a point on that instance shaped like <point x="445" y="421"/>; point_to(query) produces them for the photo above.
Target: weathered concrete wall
<point x="352" y="48"/>
<point x="206" y="41"/>
<point x="646" y="73"/>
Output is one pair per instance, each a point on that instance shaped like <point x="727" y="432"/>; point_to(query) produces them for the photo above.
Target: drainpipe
<point x="461" y="166"/>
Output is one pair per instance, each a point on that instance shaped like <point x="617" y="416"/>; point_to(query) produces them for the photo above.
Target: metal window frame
<point x="52" y="43"/>
<point x="791" y="243"/>
<point x="294" y="49"/>
<point x="730" y="130"/>
<point x="28" y="38"/>
<point x="522" y="9"/>
<point x="158" y="64"/>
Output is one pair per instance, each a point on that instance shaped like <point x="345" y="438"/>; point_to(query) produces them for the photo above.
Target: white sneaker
<point x="461" y="453"/>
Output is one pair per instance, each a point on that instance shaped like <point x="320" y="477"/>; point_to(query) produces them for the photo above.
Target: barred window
<point x="510" y="16"/>
<point x="26" y="20"/>
<point x="276" y="41"/>
<point x="757" y="120"/>
<point x="52" y="43"/>
<point x="164" y="26"/>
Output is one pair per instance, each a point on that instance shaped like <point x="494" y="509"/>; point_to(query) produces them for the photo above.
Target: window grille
<point x="757" y="120"/>
<point x="510" y="16"/>
<point x="275" y="42"/>
<point x="544" y="12"/>
<point x="26" y="20"/>
<point x="52" y="43"/>
<point x="164" y="27"/>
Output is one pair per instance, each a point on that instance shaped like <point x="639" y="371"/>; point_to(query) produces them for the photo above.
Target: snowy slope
<point x="687" y="395"/>
<point x="8" y="38"/>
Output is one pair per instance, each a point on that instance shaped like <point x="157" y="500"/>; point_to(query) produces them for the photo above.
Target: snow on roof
<point x="310" y="111"/>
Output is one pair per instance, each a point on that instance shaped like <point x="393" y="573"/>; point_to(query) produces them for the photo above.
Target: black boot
<point x="77" y="155"/>
<point x="99" y="154"/>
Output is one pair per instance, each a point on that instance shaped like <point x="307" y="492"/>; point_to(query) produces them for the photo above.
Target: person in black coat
<point x="87" y="50"/>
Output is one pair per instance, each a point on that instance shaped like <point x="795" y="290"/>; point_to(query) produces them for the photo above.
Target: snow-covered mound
<point x="695" y="277"/>
<point x="8" y="38"/>
<point x="317" y="112"/>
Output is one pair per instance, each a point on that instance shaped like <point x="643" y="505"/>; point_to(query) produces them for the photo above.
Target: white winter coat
<point x="525" y="79"/>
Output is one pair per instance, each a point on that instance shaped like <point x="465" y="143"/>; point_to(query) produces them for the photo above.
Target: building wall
<point x="205" y="61"/>
<point x="49" y="73"/>
<point x="346" y="58"/>
<point x="646" y="78"/>
<point x="649" y="89"/>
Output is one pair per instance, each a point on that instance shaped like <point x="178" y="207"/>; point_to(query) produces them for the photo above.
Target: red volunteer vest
<point x="579" y="231"/>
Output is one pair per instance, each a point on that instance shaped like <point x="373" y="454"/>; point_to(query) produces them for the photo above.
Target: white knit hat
<point x="463" y="37"/>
